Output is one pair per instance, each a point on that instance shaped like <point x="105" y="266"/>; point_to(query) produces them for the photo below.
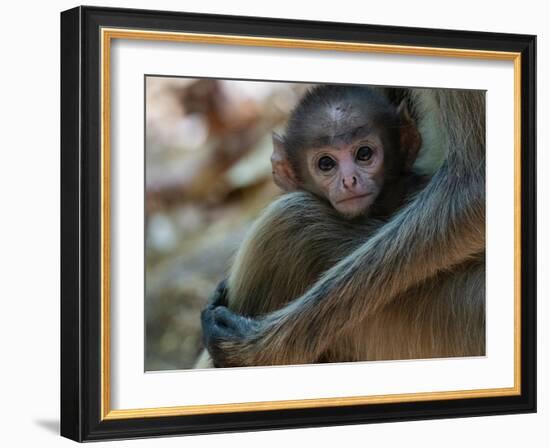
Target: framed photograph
<point x="275" y="224"/>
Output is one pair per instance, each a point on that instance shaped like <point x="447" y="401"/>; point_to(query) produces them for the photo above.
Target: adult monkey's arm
<point x="442" y="227"/>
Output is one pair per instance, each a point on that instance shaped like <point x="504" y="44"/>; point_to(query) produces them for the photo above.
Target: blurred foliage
<point x="208" y="176"/>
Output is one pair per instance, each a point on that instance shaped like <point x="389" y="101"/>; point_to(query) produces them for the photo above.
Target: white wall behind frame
<point x="30" y="238"/>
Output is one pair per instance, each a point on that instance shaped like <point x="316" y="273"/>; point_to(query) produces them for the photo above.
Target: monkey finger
<point x="211" y="329"/>
<point x="225" y="317"/>
<point x="219" y="296"/>
<point x="239" y="326"/>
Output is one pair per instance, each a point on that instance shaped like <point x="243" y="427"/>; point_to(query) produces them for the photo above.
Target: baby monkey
<point x="350" y="146"/>
<point x="345" y="161"/>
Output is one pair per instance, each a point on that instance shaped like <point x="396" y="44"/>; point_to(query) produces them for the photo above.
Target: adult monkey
<point x="354" y="151"/>
<point x="412" y="289"/>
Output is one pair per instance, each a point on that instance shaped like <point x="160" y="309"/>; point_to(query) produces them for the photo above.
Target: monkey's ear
<point x="283" y="172"/>
<point x="410" y="139"/>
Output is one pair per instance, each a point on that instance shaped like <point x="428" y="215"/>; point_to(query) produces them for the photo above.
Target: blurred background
<point x="208" y="176"/>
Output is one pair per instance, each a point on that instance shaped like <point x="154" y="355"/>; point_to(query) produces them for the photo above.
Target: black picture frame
<point x="81" y="381"/>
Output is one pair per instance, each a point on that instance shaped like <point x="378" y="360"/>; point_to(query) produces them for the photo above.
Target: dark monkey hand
<point x="222" y="329"/>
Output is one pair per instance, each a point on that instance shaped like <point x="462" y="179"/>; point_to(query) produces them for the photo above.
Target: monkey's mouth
<point x="353" y="198"/>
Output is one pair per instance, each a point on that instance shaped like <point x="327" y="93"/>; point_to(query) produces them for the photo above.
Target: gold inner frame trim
<point x="107" y="35"/>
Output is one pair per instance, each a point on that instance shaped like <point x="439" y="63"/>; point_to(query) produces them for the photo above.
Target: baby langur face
<point x="349" y="175"/>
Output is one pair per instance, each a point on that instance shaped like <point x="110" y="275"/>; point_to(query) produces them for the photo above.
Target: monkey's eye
<point x="364" y="153"/>
<point x="326" y="163"/>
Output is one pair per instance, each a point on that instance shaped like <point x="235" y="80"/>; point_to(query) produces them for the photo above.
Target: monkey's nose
<point x="349" y="182"/>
